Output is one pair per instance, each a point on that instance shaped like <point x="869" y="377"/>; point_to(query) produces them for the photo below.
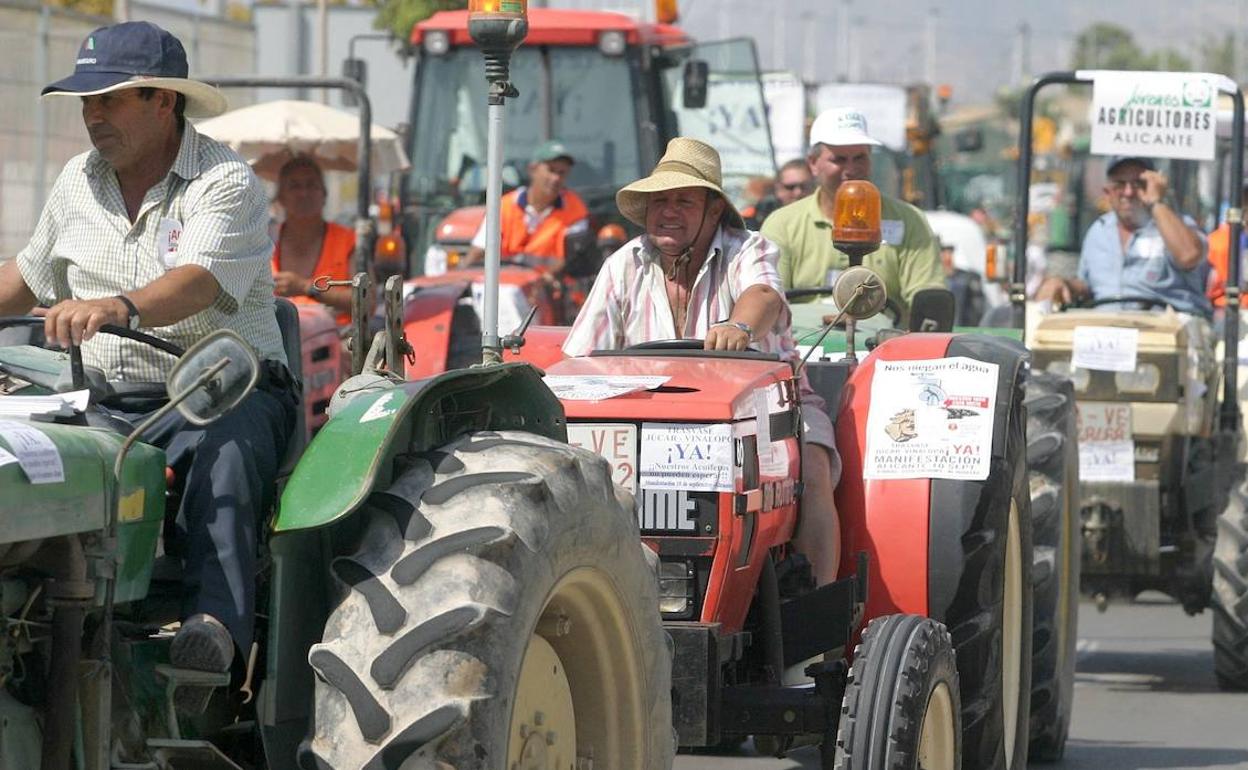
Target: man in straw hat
<point x="697" y="273"/>
<point x="165" y="230"/>
<point x="840" y="150"/>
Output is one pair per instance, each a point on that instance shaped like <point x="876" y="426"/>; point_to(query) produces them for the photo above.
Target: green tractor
<point x="445" y="583"/>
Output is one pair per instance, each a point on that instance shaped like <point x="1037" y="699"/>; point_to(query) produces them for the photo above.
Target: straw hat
<point x="686" y="163"/>
<point x="136" y="54"/>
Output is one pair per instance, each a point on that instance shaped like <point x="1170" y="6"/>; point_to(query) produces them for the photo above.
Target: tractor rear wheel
<point x="498" y="611"/>
<point x="1230" y="593"/>
<point x="1053" y="469"/>
<point x="901" y="708"/>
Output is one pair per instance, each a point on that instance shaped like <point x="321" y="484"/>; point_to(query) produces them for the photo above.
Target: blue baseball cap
<point x="1117" y="160"/>
<point x="136" y="54"/>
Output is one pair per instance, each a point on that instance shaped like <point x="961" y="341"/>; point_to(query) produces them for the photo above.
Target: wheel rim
<point x="585" y="634"/>
<point x="1011" y="634"/>
<point x="543" y="721"/>
<point x="937" y="742"/>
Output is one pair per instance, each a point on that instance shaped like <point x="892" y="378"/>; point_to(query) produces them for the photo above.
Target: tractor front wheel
<point x="901" y="708"/>
<point x="498" y="611"/>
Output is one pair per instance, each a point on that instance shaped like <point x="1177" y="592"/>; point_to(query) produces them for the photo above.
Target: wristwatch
<point x="132" y="312"/>
<point x="749" y="331"/>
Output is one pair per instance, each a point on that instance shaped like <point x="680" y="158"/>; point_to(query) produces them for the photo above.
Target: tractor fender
<point x="354" y="452"/>
<point x="892" y="519"/>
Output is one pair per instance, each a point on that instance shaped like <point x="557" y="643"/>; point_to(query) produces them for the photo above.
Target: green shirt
<point x="908" y="260"/>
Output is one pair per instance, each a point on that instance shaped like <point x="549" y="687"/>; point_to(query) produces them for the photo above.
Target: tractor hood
<point x="1160" y="332"/>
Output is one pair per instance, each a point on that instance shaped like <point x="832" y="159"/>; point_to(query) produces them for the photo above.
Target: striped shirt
<point x="628" y="303"/>
<point x="209" y="210"/>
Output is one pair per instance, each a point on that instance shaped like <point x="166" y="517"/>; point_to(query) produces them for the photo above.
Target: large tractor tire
<point x="990" y="613"/>
<point x="1053" y="471"/>
<point x="1230" y="593"/>
<point x="499" y="611"/>
<point x="901" y="708"/>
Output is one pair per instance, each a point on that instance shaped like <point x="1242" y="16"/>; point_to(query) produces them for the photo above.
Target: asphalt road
<point x="1145" y="698"/>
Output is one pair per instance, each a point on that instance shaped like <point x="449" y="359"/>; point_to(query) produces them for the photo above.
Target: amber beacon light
<point x="856" y="219"/>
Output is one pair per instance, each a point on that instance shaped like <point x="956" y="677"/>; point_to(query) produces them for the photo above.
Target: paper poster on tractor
<point x="931" y="419"/>
<point x="1106" y="445"/>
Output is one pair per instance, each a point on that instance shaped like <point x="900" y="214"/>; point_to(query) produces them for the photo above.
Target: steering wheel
<point x="118" y="331"/>
<point x="1147" y="302"/>
<point x="677" y="344"/>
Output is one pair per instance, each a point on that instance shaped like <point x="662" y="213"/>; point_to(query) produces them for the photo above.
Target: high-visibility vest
<point x="546" y="240"/>
<point x="334" y="261"/>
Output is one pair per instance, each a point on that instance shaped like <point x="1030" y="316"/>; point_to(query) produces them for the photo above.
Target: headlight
<point x="1079" y="377"/>
<point x="611" y="43"/>
<point x="435" y="260"/>
<point x="675" y="587"/>
<point x="1145" y="379"/>
<point x="437" y="42"/>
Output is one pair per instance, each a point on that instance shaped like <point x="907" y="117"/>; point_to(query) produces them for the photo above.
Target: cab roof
<point x="556" y="26"/>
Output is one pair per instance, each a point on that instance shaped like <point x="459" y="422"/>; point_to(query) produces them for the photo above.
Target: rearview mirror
<point x="213" y="377"/>
<point x="859" y="293"/>
<point x="693" y="95"/>
<point x="932" y="310"/>
<point x="357" y="70"/>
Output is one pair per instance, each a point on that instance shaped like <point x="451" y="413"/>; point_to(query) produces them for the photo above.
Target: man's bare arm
<point x="178" y="294"/>
<point x="1182" y="244"/>
<point x="759" y="307"/>
<point x="16" y="298"/>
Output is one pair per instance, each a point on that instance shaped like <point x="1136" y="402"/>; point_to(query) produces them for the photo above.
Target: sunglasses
<point x="1139" y="185"/>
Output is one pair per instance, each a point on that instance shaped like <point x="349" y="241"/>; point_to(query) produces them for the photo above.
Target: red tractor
<point x="614" y="90"/>
<point x="921" y="653"/>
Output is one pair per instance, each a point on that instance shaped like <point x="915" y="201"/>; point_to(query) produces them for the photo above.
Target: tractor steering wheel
<point x="140" y="392"/>
<point x="687" y="343"/>
<point x="1147" y="302"/>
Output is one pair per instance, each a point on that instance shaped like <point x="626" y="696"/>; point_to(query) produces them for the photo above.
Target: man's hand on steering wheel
<point x="75" y="321"/>
<point x="726" y="336"/>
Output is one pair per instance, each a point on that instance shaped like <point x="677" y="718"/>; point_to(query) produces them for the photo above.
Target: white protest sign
<point x="615" y="442"/>
<point x="786" y="115"/>
<point x="931" y="419"/>
<point x="1100" y="422"/>
<point x="1107" y="461"/>
<point x="692" y="456"/>
<point x="1105" y="348"/>
<point x="593" y="387"/>
<point x="38" y="456"/>
<point x="1154" y="114"/>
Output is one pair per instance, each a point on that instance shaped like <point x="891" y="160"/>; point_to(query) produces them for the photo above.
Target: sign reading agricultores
<point x="1154" y="114"/>
<point x="931" y="419"/>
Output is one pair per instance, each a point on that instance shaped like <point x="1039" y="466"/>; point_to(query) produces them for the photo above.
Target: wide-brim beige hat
<point x="202" y="100"/>
<point x="686" y="163"/>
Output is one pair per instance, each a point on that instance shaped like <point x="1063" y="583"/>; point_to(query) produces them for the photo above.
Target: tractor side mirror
<point x="932" y="310"/>
<point x="696" y="75"/>
<point x="357" y="70"/>
<point x="969" y="140"/>
<point x="213" y="377"/>
<point x="859" y="292"/>
<point x="582" y="257"/>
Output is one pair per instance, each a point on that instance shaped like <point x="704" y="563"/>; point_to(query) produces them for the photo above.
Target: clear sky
<point x="976" y="43"/>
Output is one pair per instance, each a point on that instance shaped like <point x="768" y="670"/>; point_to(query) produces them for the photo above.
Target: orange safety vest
<point x="334" y="261"/>
<point x="1220" y="259"/>
<point x="546" y="241"/>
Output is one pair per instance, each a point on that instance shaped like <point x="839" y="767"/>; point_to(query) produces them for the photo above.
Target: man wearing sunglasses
<point x="1140" y="248"/>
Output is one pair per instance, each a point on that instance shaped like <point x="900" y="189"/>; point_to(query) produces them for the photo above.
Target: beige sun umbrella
<point x="270" y="133"/>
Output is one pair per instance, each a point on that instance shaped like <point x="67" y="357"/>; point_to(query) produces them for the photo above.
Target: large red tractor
<point x="924" y="645"/>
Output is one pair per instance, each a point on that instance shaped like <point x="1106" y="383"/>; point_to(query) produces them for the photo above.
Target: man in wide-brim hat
<point x="166" y="231"/>
<point x="697" y="273"/>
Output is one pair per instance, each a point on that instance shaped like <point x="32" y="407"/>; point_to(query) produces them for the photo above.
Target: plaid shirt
<point x="629" y="303"/>
<point x="210" y="210"/>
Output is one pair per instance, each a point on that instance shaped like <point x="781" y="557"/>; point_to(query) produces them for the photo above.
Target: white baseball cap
<point x="841" y="127"/>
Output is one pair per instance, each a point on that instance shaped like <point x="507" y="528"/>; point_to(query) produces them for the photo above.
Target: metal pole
<point x="1230" y="417"/>
<point x="490" y="343"/>
<point x="41" y="115"/>
<point x="322" y="36"/>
